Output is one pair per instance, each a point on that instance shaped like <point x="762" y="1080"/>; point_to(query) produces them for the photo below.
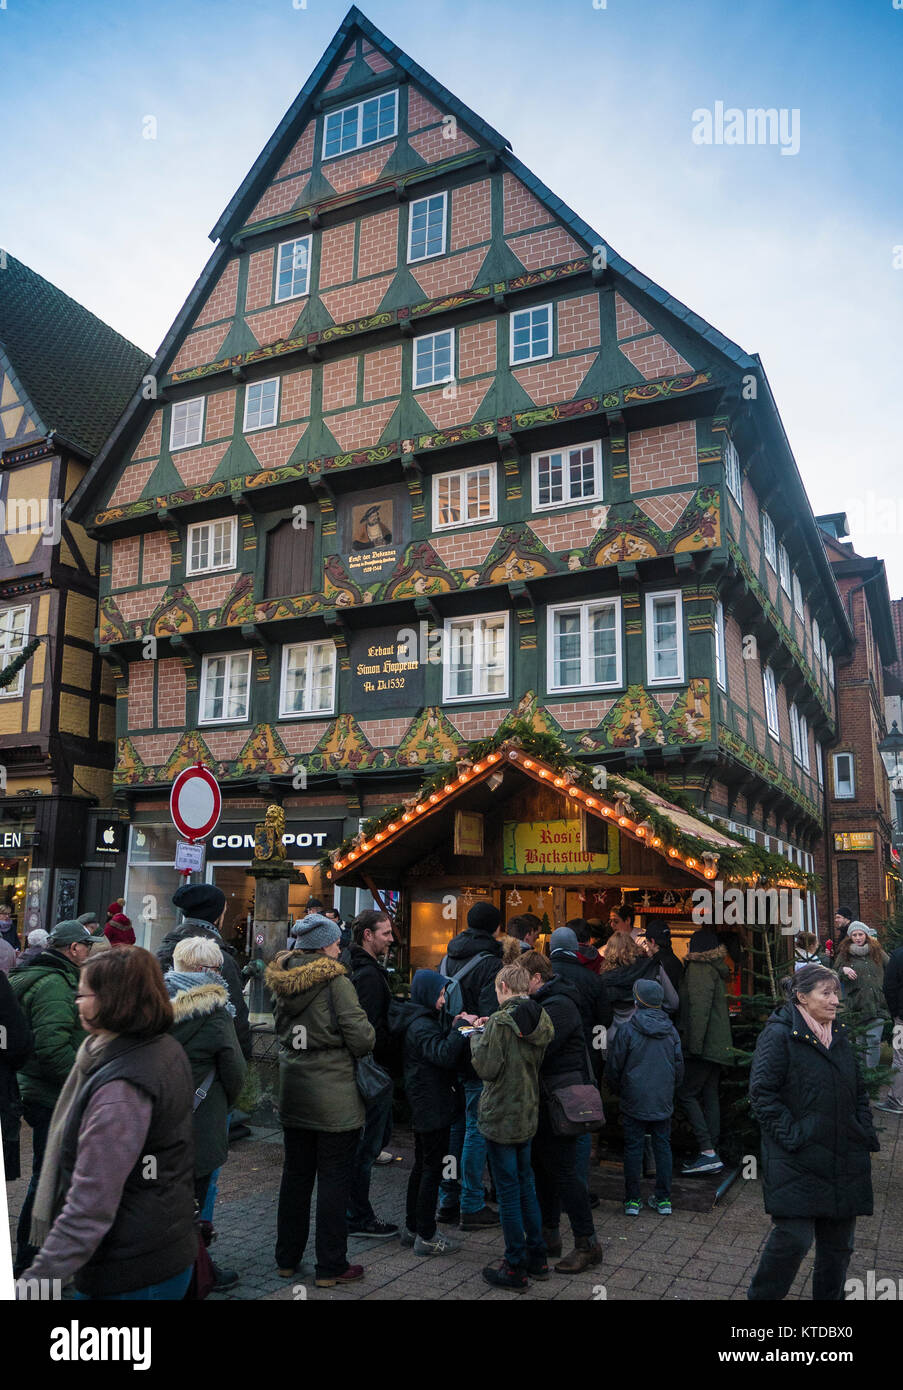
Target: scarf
<point x="821" y="1030"/>
<point x="862" y="950"/>
<point x="47" y="1198"/>
<point x="177" y="981"/>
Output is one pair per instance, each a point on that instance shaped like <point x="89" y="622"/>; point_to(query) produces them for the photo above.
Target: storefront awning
<point x="427" y="820"/>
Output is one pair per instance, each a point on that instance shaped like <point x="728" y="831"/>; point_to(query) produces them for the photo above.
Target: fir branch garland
<point x="9" y="673"/>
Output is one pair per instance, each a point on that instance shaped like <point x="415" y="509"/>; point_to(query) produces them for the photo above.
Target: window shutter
<point x="289" y="562"/>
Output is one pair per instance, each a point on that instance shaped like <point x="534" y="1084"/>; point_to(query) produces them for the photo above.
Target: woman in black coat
<point x="433" y="1049"/>
<point x="17" y="1046"/>
<point x="811" y="1103"/>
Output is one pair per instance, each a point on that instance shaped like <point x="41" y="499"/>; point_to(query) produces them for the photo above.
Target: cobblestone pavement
<point x="689" y="1255"/>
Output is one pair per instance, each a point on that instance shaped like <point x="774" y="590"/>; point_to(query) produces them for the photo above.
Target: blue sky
<point x="792" y="256"/>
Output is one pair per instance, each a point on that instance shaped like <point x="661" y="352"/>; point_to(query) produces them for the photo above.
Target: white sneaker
<point x="439" y="1245"/>
<point x="384" y="1157"/>
<point x="890" y="1105"/>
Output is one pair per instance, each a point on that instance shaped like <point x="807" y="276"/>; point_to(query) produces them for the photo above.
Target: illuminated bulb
<point x="591" y="801"/>
<point x="606" y="810"/>
<point x="559" y="782"/>
<point x="640" y="831"/>
<point x="379" y="837"/>
<point x="512" y="755"/>
<point x="433" y="799"/>
<point x="406" y="817"/>
<point x="479" y="767"/>
<point x="691" y="863"/>
<point x="710" y="873"/>
<point x="574" y="791"/>
<point x="542" y="772"/>
<point x="393" y="827"/>
<point x="365" y="846"/>
<point x="420" y="809"/>
<point x="657" y="842"/>
<point x="528" y="763"/>
<point x="352" y="855"/>
<point x="673" y="854"/>
<point x="493" y="757"/>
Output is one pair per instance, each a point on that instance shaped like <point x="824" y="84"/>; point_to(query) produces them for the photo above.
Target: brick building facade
<point x="413" y="392"/>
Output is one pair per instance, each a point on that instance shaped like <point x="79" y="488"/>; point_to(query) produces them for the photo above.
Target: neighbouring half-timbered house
<point x="426" y="456"/>
<point x="65" y="377"/>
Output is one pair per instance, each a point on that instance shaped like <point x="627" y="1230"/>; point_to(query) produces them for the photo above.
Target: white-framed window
<point x="531" y="334"/>
<point x="720" y="652"/>
<point x="225" y="688"/>
<point x="476" y="662"/>
<point x="824" y="654"/>
<point x="732" y="475"/>
<point x="426" y="227"/>
<point x="816" y="649"/>
<point x="465" y="497"/>
<point x="293" y="269"/>
<point x="186" y="423"/>
<point x="308" y="679"/>
<point x="771" y="703"/>
<point x="365" y="123"/>
<point x="795" y="733"/>
<point x="261" y="404"/>
<point x="784" y="568"/>
<point x="434" y="359"/>
<point x="13" y="638"/>
<point x="749" y="832"/>
<point x="583" y="642"/>
<point x="804" y="743"/>
<point x="664" y="638"/>
<point x="844" y="777"/>
<point x="797" y="595"/>
<point x="769" y="543"/>
<point x="819" y="764"/>
<point x="831" y="671"/>
<point x="211" y="545"/>
<point x="567" y="475"/>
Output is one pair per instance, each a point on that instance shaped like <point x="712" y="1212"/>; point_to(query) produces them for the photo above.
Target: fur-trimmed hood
<point x="198" y="1000"/>
<point x="294" y="973"/>
<point x="713" y="957"/>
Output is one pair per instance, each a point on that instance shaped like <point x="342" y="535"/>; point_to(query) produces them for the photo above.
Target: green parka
<point x="46" y="993"/>
<point x="206" y="1031"/>
<point x="863" y="998"/>
<point x="317" y="1089"/>
<point x="507" y="1057"/>
<point x="703" y="1019"/>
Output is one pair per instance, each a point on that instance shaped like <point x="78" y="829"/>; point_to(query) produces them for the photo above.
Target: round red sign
<point x="195" y="802"/>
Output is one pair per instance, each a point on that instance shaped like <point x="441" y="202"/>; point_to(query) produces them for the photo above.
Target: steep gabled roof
<point x="77" y="372"/>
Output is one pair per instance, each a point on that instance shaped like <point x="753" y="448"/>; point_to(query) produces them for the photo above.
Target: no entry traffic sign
<point x="195" y="802"/>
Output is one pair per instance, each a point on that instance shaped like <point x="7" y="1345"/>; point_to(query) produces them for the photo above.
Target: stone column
<point x="271" y="923"/>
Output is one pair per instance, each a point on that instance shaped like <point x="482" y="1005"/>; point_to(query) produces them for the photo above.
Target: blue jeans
<point x="473" y="1154"/>
<point x="171" y="1290"/>
<point x="373" y="1137"/>
<point x="635" y="1132"/>
<point x="512" y="1173"/>
<point x="450" y="1188"/>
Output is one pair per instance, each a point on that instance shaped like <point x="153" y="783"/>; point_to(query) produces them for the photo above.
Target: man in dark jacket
<point x="204" y="906"/>
<point x="46" y="993"/>
<point x="658" y="945"/>
<point x="372" y="939"/>
<point x="595" y="1008"/>
<point x="587" y="952"/>
<point x="18" y="1042"/>
<point x="554" y="1156"/>
<point x="433" y="1050"/>
<point x="705" y="1030"/>
<point x="476" y="956"/>
<point x="893" y="993"/>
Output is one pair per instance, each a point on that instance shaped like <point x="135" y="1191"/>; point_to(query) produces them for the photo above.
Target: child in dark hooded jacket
<point x="645" y="1065"/>
<point x="433" y="1049"/>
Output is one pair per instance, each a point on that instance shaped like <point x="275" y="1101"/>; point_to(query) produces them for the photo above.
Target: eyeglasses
<point x="86" y="996"/>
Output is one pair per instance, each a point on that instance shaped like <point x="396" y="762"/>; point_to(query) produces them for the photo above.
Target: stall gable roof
<point x="604" y="807"/>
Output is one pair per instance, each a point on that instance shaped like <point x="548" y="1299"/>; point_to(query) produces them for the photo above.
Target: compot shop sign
<point x="236" y="840"/>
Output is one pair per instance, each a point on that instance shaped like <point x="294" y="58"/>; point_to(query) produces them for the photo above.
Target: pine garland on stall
<point x="9" y="673"/>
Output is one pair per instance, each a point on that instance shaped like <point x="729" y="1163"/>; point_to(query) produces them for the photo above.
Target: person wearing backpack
<point x="473" y="960"/>
<point x="433" y="1049"/>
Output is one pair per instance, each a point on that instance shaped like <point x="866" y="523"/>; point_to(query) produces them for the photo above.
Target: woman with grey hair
<point x="810" y="1100"/>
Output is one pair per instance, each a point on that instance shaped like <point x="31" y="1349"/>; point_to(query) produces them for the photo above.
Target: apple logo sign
<point x="109" y="835"/>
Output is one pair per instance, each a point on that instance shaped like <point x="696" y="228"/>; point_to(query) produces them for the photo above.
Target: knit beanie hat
<point x="860" y="926"/>
<point x="648" y="994"/>
<point x="313" y="932"/>
<point x="845" y="912"/>
<point x="201" y="900"/>
<point x="705" y="939"/>
<point x="563" y="939"/>
<point x="426" y="987"/>
<point x="483" y="917"/>
<point x="659" y="932"/>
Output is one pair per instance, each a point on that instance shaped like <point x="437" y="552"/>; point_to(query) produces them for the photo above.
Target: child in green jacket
<point x="507" y="1057"/>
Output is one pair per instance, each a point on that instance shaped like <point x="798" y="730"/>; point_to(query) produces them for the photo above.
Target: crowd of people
<point x="127" y="1065"/>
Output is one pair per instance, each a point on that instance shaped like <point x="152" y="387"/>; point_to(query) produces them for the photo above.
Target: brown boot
<point x="586" y="1253"/>
<point x="552" y="1238"/>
